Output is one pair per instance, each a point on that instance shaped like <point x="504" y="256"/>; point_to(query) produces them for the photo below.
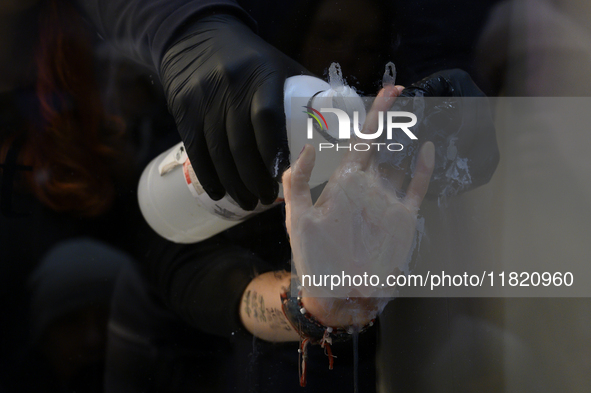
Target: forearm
<point x="203" y="282"/>
<point x="260" y="308"/>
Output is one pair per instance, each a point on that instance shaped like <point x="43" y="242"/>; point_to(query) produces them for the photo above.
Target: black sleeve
<point x="144" y="29"/>
<point x="203" y="282"/>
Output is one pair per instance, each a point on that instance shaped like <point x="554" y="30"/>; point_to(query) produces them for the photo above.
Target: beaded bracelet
<point x="311" y="330"/>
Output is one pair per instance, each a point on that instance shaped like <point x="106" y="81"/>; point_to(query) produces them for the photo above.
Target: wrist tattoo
<point x="253" y="305"/>
<point x="277" y="320"/>
<point x="247" y="303"/>
<point x="262" y="308"/>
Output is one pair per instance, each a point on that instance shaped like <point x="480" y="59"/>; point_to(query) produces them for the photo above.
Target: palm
<point x="359" y="224"/>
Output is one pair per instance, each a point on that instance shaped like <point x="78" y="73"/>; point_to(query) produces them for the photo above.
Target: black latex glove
<point x="224" y="87"/>
<point x="460" y="129"/>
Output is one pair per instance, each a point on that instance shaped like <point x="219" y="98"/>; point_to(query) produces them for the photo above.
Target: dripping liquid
<point x="355" y="333"/>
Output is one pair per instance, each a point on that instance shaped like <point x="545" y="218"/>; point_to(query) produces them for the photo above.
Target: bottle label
<point x="226" y="207"/>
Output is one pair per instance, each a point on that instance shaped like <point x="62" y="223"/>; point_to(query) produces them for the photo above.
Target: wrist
<point x="312" y="317"/>
<point x="341" y="313"/>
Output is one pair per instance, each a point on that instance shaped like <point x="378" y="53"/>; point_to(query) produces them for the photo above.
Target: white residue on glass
<point x="389" y="77"/>
<point x="335" y="77"/>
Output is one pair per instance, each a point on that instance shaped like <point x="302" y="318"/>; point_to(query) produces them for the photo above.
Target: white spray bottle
<point x="175" y="205"/>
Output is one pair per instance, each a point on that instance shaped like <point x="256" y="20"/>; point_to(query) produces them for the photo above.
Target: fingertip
<point x="309" y="154"/>
<point x="388" y="91"/>
<point x="428" y="154"/>
<point x="419" y="183"/>
<point x="305" y="162"/>
<point x="399" y="88"/>
<point x="307" y="151"/>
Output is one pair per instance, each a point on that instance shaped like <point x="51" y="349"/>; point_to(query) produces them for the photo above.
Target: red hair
<point x="72" y="151"/>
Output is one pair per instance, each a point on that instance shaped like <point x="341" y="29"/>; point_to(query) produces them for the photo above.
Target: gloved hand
<point x="224" y="87"/>
<point x="461" y="128"/>
<point x="448" y="83"/>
